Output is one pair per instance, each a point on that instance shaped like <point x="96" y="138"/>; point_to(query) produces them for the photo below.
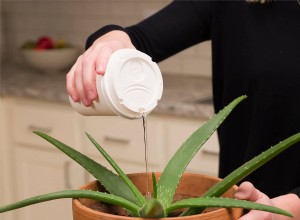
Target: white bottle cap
<point x="131" y="86"/>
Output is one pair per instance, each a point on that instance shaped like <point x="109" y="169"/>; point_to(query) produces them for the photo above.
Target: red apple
<point x="44" y="43"/>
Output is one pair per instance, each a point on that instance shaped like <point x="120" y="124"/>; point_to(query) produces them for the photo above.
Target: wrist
<point x="102" y="31"/>
<point x="119" y="36"/>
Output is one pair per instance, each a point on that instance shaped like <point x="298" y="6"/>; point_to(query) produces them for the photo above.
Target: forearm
<point x="296" y="191"/>
<point x="176" y="27"/>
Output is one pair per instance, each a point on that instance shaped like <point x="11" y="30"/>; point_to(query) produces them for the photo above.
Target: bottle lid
<point x="132" y="84"/>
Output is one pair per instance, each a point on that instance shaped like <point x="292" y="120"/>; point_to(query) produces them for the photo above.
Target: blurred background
<point x="33" y="99"/>
<point x="74" y="21"/>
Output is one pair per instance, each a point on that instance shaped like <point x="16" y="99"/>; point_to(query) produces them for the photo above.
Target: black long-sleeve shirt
<point x="256" y="51"/>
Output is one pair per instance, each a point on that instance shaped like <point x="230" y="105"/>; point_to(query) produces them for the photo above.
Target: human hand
<point x="288" y="202"/>
<point x="81" y="79"/>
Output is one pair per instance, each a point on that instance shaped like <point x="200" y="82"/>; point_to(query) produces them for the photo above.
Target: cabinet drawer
<point x="207" y="158"/>
<point x="123" y="139"/>
<point x="53" y="120"/>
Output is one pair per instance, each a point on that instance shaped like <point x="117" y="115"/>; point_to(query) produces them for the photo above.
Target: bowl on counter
<point x="52" y="60"/>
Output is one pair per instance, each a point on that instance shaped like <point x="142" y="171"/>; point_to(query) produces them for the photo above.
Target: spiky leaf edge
<point x="88" y="194"/>
<point x="124" y="177"/>
<point x="172" y="173"/>
<point x="112" y="182"/>
<point x="225" y="203"/>
<point x="154" y="185"/>
<point x="244" y="170"/>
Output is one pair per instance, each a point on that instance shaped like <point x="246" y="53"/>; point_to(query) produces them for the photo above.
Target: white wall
<point x="74" y="20"/>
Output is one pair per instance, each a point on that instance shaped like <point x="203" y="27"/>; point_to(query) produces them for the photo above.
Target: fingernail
<point x="75" y="98"/>
<point x="86" y="103"/>
<point x="91" y="95"/>
<point x="100" y="70"/>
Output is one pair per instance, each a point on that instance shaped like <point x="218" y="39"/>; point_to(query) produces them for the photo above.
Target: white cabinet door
<point x="6" y="191"/>
<point x="57" y="121"/>
<point x="38" y="167"/>
<point x="123" y="139"/>
<point x="40" y="172"/>
<point x="206" y="159"/>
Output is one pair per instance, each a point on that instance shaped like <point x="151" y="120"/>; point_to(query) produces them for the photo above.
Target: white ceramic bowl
<point x="52" y="60"/>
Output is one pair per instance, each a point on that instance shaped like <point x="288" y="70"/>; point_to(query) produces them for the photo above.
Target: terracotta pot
<point x="191" y="185"/>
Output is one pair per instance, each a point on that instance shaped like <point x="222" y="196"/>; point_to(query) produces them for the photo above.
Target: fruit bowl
<point x="52" y="60"/>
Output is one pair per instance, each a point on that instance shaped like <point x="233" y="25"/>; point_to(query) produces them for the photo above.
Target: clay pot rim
<point x="218" y="212"/>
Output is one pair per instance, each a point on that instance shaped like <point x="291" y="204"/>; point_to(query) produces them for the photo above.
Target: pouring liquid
<point x="148" y="193"/>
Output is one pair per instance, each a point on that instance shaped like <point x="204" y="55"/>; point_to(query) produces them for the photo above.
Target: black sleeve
<point x="296" y="191"/>
<point x="178" y="26"/>
<point x="101" y="32"/>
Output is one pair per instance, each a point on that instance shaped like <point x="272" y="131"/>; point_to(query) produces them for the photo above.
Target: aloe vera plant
<point x="123" y="192"/>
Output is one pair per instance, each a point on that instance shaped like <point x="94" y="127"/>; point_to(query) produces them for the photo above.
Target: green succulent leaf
<point x="127" y="181"/>
<point x="240" y="173"/>
<point x="154" y="184"/>
<point x="152" y="209"/>
<point x="250" y="166"/>
<point x="172" y="173"/>
<point x="88" y="194"/>
<point x="112" y="182"/>
<point x="226" y="203"/>
<point x="125" y="194"/>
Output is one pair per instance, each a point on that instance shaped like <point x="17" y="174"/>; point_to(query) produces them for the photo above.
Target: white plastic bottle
<point x="131" y="86"/>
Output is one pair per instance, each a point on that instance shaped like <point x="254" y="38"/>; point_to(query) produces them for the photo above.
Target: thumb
<point x="247" y="191"/>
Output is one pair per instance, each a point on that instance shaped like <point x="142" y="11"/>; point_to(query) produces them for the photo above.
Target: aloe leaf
<point x="99" y="196"/>
<point x="112" y="182"/>
<point x="172" y="173"/>
<point x="152" y="209"/>
<point x="124" y="177"/>
<point x="154" y="184"/>
<point x="225" y="203"/>
<point x="240" y="173"/>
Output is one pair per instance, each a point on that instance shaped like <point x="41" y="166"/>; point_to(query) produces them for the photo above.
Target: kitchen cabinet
<point x="124" y="141"/>
<point x="39" y="172"/>
<point x="40" y="168"/>
<point x="56" y="120"/>
<point x="206" y="159"/>
<point x="6" y="191"/>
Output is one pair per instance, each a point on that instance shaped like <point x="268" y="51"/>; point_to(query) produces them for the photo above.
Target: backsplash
<point x="75" y="20"/>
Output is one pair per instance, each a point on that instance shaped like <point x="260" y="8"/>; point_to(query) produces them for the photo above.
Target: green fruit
<point x="29" y="45"/>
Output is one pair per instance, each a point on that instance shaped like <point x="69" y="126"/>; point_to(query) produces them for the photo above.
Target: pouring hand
<point x="81" y="79"/>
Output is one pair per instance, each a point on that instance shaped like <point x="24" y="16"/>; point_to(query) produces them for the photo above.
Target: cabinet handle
<point x="32" y="127"/>
<point x="211" y="153"/>
<point x="67" y="175"/>
<point x="116" y="140"/>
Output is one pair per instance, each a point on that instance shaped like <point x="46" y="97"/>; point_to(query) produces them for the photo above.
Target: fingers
<point x="257" y="215"/>
<point x="247" y="191"/>
<point x="81" y="79"/>
<point x="93" y="62"/>
<point x="88" y="77"/>
<point x="81" y="90"/>
<point x="70" y="84"/>
<point x="103" y="52"/>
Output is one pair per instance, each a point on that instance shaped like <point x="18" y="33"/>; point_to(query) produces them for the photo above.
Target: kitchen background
<point x="31" y="100"/>
<point x="74" y="21"/>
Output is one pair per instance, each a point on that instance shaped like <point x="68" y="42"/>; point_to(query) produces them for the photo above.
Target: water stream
<point x="148" y="193"/>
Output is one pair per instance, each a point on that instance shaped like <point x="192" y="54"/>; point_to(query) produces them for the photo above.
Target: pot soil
<point x="191" y="185"/>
